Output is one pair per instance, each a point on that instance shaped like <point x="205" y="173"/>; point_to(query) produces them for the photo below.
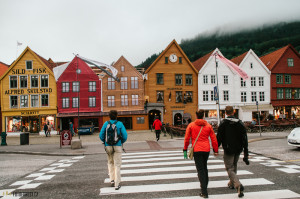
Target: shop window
<point x="76" y="87"/>
<point x="34" y="81"/>
<point x="134" y="83"/>
<point x="189" y="79"/>
<point x="23" y="101"/>
<point x="92" y="101"/>
<point x="178" y="96"/>
<point x="124" y="100"/>
<point x="140" y="120"/>
<point x="65" y="87"/>
<point x="13" y="124"/>
<point x="23" y="81"/>
<point x="189" y="96"/>
<point x="159" y="96"/>
<point x="34" y="100"/>
<point x="135" y="100"/>
<point x="49" y="120"/>
<point x="44" y="81"/>
<point x="28" y="65"/>
<point x="92" y="86"/>
<point x="13" y="101"/>
<point x="159" y="78"/>
<point x="45" y="100"/>
<point x="178" y="79"/>
<point x="124" y="83"/>
<point x="75" y="102"/>
<point x="65" y="102"/>
<point x="110" y="101"/>
<point x="13" y="81"/>
<point x="111" y="85"/>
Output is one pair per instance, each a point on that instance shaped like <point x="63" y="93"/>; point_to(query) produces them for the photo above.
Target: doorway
<point x="177" y="119"/>
<point x="65" y="123"/>
<point x="152" y="114"/>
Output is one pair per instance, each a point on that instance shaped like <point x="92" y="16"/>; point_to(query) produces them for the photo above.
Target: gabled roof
<point x="271" y="59"/>
<point x="237" y="60"/>
<point x="123" y="58"/>
<point x="59" y="70"/>
<point x="199" y="63"/>
<point x="167" y="48"/>
<point x="3" y="68"/>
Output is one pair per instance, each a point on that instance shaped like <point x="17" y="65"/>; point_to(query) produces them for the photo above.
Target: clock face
<point x="173" y="58"/>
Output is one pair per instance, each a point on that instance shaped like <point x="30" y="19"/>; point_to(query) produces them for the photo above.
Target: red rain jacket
<point x="157" y="124"/>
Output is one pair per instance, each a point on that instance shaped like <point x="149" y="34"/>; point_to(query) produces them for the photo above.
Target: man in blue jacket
<point x="114" y="151"/>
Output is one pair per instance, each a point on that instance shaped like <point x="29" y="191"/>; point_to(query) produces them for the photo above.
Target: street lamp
<point x="78" y="71"/>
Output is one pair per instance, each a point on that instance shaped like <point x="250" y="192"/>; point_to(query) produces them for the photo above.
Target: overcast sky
<point x="104" y="30"/>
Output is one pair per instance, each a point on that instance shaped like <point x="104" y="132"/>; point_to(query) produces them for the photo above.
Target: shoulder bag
<point x="191" y="150"/>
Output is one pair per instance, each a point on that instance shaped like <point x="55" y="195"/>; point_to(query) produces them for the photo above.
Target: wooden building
<point x="28" y="94"/>
<point x="3" y="69"/>
<point x="171" y="87"/>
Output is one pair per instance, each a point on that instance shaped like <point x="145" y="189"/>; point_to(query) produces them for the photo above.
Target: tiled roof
<point x="201" y="61"/>
<point x="45" y="61"/>
<point x="237" y="60"/>
<point x="272" y="58"/>
<point x="3" y="68"/>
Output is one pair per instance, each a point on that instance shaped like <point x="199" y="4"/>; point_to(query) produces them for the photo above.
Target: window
<point x="140" y="120"/>
<point x="243" y="97"/>
<point x="159" y="96"/>
<point x="65" y="87"/>
<point x="188" y="79"/>
<point x="213" y="79"/>
<point x="28" y="65"/>
<point x="44" y="81"/>
<point x="225" y="79"/>
<point x="251" y="65"/>
<point x="178" y="79"/>
<point x="180" y="60"/>
<point x="159" y="78"/>
<point x="290" y="62"/>
<point x="13" y="81"/>
<point x="124" y="83"/>
<point x="111" y="84"/>
<point x="166" y="60"/>
<point x="205" y="79"/>
<point x="279" y="93"/>
<point x="288" y="93"/>
<point x="124" y="100"/>
<point x="243" y="83"/>
<point x="261" y="81"/>
<point x="189" y="96"/>
<point x="226" y="95"/>
<point x="76" y="87"/>
<point x="134" y="83"/>
<point x="135" y="100"/>
<point x="253" y="97"/>
<point x="122" y="68"/>
<point x="288" y="79"/>
<point x="212" y="96"/>
<point x="23" y="81"/>
<point x="261" y="96"/>
<point x="297" y="93"/>
<point x="23" y="101"/>
<point x="75" y="103"/>
<point x="92" y="101"/>
<point x="34" y="81"/>
<point x="279" y="79"/>
<point x="178" y="96"/>
<point x="205" y="96"/>
<point x="45" y="100"/>
<point x="34" y="101"/>
<point x="13" y="101"/>
<point x="110" y="101"/>
<point x="65" y="102"/>
<point x="253" y="81"/>
<point x="92" y="86"/>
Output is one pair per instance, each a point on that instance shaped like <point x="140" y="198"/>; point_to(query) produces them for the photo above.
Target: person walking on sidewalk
<point x="201" y="148"/>
<point x="110" y="130"/>
<point x="157" y="126"/>
<point x="46" y="129"/>
<point x="233" y="137"/>
<point x="71" y="129"/>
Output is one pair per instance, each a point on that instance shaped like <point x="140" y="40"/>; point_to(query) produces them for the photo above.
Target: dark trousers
<point x="201" y="165"/>
<point x="157" y="132"/>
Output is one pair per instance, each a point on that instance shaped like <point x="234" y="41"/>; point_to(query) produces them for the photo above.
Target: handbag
<point x="191" y="150"/>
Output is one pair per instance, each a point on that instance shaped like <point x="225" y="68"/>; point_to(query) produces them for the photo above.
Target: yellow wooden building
<point x="171" y="87"/>
<point x="28" y="95"/>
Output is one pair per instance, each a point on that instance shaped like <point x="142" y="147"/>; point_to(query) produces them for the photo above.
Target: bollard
<point x="3" y="139"/>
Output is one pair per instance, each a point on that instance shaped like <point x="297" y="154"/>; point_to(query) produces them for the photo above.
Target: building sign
<point x="29" y="113"/>
<point x="23" y="71"/>
<point x="65" y="138"/>
<point x="29" y="91"/>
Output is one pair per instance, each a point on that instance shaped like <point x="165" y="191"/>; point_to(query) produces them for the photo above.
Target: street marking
<point x="288" y="170"/>
<point x="153" y="159"/>
<point x="21" y="182"/>
<point x="273" y="194"/>
<point x="167" y="169"/>
<point x="30" y="186"/>
<point x="153" y="155"/>
<point x="149" y="152"/>
<point x="45" y="177"/>
<point x="34" y="175"/>
<point x="292" y="166"/>
<point x="65" y="165"/>
<point x="166" y="163"/>
<point x="48" y="169"/>
<point x="178" y="186"/>
<point x="271" y="164"/>
<point x="68" y="161"/>
<point x="56" y="164"/>
<point x="175" y="176"/>
<point x="79" y="157"/>
<point x="56" y="171"/>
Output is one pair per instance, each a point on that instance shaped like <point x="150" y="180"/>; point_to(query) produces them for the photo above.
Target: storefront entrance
<point x="152" y="114"/>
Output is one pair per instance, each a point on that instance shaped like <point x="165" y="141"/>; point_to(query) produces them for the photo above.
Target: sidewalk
<point x="137" y="141"/>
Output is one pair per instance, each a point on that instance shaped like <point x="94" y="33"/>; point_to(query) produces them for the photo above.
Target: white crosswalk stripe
<point x="166" y="171"/>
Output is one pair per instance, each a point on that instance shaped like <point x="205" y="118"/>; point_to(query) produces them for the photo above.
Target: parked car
<point x="86" y="129"/>
<point x="293" y="138"/>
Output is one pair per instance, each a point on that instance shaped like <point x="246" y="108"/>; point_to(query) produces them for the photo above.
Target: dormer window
<point x="28" y="65"/>
<point x="122" y="68"/>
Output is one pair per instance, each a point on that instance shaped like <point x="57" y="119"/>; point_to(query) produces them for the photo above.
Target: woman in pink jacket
<point x="202" y="147"/>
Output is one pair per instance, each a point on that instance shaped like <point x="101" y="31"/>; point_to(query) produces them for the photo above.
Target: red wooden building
<point x="284" y="65"/>
<point x="78" y="95"/>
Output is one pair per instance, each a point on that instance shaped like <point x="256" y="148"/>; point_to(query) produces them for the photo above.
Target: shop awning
<point x="84" y="114"/>
<point x="261" y="107"/>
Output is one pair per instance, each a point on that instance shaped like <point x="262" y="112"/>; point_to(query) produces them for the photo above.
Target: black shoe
<point x="118" y="187"/>
<point x="112" y="183"/>
<point x="240" y="191"/>
<point x="203" y="195"/>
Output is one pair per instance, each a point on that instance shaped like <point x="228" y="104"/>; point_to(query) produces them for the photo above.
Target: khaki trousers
<point x="230" y="161"/>
<point x="114" y="162"/>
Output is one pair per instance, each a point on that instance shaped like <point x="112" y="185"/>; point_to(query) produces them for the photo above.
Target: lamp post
<point x="78" y="71"/>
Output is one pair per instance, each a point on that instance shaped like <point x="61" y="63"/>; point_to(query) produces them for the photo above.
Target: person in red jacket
<point x="157" y="126"/>
<point x="202" y="147"/>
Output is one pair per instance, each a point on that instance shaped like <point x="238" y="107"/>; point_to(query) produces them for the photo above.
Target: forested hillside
<point x="262" y="40"/>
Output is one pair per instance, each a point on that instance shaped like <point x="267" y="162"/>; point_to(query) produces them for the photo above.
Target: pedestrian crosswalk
<point x="167" y="172"/>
